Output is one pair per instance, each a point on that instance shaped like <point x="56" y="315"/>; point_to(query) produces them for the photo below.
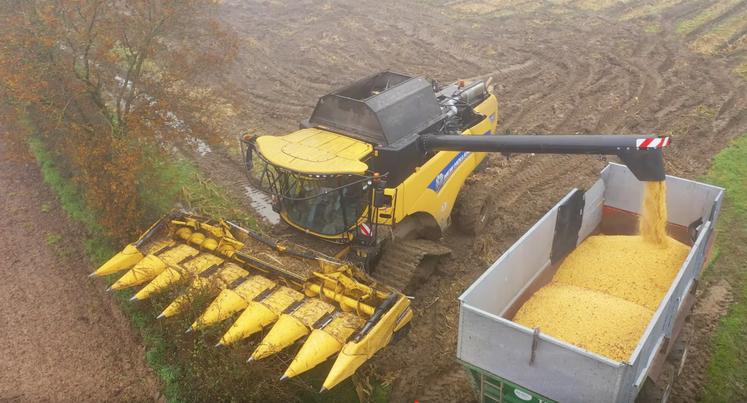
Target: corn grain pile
<point x="589" y="319"/>
<point x="606" y="291"/>
<point x="626" y="267"/>
<point x="653" y="223"/>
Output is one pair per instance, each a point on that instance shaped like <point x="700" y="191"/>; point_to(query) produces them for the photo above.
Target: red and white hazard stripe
<point x="364" y="229"/>
<point x="652" y="142"/>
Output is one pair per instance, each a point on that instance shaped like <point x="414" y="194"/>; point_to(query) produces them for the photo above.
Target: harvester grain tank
<point x="387" y="152"/>
<point x="510" y="362"/>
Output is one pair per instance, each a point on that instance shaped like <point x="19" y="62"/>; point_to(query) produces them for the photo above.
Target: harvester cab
<point x="394" y="151"/>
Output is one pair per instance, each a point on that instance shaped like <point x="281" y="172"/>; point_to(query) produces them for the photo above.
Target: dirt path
<point x="63" y="338"/>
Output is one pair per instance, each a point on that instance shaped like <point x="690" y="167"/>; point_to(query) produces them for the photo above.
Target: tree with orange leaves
<point x="105" y="79"/>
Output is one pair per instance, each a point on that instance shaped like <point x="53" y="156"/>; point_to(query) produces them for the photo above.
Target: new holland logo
<point x="438" y="182"/>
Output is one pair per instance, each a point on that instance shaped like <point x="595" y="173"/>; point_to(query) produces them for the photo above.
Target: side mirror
<point x="379" y="198"/>
<point x="246" y="142"/>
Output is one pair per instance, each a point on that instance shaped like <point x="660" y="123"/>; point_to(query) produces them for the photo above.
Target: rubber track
<point x="400" y="260"/>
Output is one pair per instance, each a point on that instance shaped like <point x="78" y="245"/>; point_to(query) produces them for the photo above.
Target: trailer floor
<point x="63" y="338"/>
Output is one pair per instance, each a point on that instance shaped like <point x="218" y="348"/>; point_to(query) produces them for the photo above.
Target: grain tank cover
<point x="380" y="109"/>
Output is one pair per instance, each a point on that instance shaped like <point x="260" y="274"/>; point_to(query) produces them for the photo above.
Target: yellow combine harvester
<point x="378" y="167"/>
<point x="386" y="158"/>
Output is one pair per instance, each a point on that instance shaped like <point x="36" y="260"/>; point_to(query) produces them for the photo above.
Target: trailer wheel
<point x="658" y="391"/>
<point x="678" y="353"/>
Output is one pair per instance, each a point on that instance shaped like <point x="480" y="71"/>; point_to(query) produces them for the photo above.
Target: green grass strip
<point x="98" y="247"/>
<point x="727" y="371"/>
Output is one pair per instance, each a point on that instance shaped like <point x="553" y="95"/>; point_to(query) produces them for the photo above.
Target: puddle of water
<point x="262" y="204"/>
<point x="201" y="147"/>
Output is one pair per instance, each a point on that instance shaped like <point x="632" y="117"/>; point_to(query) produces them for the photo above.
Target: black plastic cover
<point x="379" y="109"/>
<point x="567" y="225"/>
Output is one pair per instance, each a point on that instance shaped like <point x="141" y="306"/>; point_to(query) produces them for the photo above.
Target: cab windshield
<point x="325" y="204"/>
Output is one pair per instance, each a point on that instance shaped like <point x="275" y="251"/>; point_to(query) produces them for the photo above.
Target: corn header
<point x="288" y="290"/>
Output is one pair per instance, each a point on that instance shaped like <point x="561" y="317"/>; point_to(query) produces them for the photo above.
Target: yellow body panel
<point x="343" y="326"/>
<point x="319" y="346"/>
<point x="311" y="311"/>
<point x="205" y="285"/>
<point x="175" y="273"/>
<point x="315" y="151"/>
<point x="281" y="299"/>
<point x="324" y="343"/>
<point x="286" y="331"/>
<point x="200" y="263"/>
<point x="145" y="270"/>
<point x="434" y="187"/>
<point x="260" y="314"/>
<point x="121" y="261"/>
<point x="153" y="265"/>
<point x="291" y="327"/>
<point x="252" y="320"/>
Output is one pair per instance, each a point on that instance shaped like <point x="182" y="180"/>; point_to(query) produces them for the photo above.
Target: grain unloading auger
<point x="292" y="291"/>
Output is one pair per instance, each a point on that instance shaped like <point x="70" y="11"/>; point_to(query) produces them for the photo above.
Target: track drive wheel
<point x="474" y="208"/>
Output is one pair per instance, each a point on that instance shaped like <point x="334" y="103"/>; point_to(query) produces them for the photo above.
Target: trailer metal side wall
<point x="546" y="368"/>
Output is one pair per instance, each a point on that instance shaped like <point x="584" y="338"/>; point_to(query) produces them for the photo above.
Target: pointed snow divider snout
<point x="121" y="261"/>
<point x="292" y="326"/>
<point x="323" y="343"/>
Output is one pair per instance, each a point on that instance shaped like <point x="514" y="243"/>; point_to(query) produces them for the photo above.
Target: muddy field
<point x="572" y="67"/>
<point x="64" y="339"/>
<point x="563" y="66"/>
